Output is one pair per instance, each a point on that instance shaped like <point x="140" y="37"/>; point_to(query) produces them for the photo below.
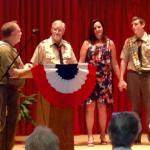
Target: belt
<point x="139" y="72"/>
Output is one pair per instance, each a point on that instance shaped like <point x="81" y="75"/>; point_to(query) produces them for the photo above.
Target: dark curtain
<point x="77" y="14"/>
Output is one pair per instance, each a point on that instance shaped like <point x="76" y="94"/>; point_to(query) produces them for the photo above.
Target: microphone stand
<point x="19" y="53"/>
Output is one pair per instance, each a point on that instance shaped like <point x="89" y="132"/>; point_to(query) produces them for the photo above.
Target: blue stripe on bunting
<point x="67" y="72"/>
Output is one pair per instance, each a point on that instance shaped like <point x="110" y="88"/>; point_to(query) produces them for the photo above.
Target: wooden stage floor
<point x="80" y="143"/>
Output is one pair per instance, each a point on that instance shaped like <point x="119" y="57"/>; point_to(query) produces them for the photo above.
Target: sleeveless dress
<point x="100" y="56"/>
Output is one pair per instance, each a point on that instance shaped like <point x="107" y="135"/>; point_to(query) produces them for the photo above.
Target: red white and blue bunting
<point x="65" y="85"/>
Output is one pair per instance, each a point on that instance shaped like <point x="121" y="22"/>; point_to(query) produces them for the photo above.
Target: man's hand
<point x="28" y="65"/>
<point x="21" y="72"/>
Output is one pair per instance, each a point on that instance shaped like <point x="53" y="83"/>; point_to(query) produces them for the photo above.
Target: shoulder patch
<point x="65" y="42"/>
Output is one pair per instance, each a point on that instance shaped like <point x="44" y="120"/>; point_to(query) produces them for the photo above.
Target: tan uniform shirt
<point x="7" y="55"/>
<point x="125" y="54"/>
<point x="47" y="53"/>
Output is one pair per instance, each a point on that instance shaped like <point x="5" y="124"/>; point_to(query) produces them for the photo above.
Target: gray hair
<point x="60" y="22"/>
<point x="42" y="138"/>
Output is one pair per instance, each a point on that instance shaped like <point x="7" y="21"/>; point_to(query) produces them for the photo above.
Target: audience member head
<point x="42" y="138"/>
<point x="57" y="30"/>
<point x="123" y="129"/>
<point x="97" y="31"/>
<point x="11" y="32"/>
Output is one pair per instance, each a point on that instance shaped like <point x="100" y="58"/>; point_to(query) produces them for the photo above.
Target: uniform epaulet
<point x="65" y="42"/>
<point x="130" y="38"/>
<point x="44" y="41"/>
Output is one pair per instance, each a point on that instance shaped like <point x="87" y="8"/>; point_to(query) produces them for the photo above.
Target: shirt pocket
<point x="49" y="57"/>
<point x="67" y="57"/>
<point x="146" y="51"/>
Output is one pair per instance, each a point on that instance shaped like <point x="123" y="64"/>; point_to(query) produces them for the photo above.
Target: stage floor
<point x="80" y="143"/>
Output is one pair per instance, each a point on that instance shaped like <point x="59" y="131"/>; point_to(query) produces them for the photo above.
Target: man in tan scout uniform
<point x="55" y="50"/>
<point x="136" y="57"/>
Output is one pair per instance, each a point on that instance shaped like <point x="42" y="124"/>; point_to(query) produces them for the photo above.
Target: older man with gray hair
<point x="55" y="50"/>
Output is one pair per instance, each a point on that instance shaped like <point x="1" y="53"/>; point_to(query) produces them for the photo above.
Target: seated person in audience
<point x="42" y="138"/>
<point x="123" y="130"/>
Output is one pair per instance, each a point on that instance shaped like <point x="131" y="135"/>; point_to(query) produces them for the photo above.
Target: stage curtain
<point x="77" y="14"/>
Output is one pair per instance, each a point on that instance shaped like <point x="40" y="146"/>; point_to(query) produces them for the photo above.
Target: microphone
<point x="35" y="31"/>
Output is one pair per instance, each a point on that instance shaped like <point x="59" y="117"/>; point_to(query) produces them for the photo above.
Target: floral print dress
<point x="100" y="56"/>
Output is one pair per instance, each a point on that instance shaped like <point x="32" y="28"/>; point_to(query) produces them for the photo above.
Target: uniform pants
<point x="139" y="92"/>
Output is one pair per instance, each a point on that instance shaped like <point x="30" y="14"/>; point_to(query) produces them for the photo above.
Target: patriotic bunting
<point x="65" y="85"/>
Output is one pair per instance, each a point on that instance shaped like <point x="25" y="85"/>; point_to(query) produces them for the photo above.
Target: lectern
<point x="60" y="120"/>
<point x="62" y="87"/>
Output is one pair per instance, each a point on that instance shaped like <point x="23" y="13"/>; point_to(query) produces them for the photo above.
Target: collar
<point x="9" y="45"/>
<point x="7" y="42"/>
<point x="143" y="38"/>
<point x="51" y="41"/>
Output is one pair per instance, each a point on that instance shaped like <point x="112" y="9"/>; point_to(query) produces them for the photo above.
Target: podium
<point x="60" y="120"/>
<point x="65" y="86"/>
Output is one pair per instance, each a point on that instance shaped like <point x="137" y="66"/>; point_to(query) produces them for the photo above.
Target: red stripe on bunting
<point x="60" y="99"/>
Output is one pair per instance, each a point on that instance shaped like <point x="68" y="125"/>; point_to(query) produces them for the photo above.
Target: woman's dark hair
<point x="92" y="38"/>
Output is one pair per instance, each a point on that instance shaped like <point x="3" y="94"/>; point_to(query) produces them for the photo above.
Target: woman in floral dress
<point x="100" y="51"/>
